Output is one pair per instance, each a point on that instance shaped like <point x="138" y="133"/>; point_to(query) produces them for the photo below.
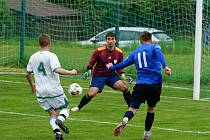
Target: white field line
<point x="109" y="91"/>
<point x="166" y="86"/>
<point x="111" y="123"/>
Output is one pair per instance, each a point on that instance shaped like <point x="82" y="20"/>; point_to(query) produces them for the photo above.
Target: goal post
<point x="198" y="46"/>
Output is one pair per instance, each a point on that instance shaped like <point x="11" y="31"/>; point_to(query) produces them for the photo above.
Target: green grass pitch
<point x="177" y="116"/>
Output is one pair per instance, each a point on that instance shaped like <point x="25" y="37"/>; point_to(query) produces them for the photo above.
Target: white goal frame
<point x="198" y="45"/>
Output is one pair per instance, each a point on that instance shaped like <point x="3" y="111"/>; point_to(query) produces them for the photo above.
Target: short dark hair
<point x="44" y="40"/>
<point x="146" y="36"/>
<point x="110" y="34"/>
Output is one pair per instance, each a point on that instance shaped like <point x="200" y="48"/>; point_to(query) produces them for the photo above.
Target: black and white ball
<point x="75" y="89"/>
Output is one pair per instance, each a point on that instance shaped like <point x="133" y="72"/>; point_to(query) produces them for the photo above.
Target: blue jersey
<point x="147" y="59"/>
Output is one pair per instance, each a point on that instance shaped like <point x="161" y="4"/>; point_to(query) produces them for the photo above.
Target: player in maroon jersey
<point x="107" y="53"/>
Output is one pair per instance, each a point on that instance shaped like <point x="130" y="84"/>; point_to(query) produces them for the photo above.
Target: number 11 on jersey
<point x="142" y="59"/>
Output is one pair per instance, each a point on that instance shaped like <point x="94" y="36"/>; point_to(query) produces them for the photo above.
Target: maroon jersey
<point x="103" y="56"/>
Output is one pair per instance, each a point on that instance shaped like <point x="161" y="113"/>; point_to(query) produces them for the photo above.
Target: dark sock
<point x="85" y="99"/>
<point x="127" y="97"/>
<point x="56" y="131"/>
<point x="64" y="116"/>
<point x="129" y="115"/>
<point x="149" y="121"/>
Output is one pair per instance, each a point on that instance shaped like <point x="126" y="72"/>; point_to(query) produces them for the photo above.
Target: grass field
<point x="177" y="117"/>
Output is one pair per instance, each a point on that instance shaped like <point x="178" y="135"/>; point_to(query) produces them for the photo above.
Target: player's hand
<point x="109" y="65"/>
<point x="168" y="70"/>
<point x="73" y="71"/>
<point x="87" y="74"/>
<point x="129" y="79"/>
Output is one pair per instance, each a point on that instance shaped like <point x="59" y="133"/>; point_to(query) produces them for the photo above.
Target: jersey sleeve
<point x="92" y="60"/>
<point x="29" y="67"/>
<point x="54" y="62"/>
<point x="125" y="63"/>
<point x="121" y="71"/>
<point x="160" y="56"/>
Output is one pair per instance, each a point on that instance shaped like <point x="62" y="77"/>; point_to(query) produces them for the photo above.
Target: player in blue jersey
<point x="148" y="59"/>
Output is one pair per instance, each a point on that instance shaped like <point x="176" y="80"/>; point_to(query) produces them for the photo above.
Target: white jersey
<point x="43" y="64"/>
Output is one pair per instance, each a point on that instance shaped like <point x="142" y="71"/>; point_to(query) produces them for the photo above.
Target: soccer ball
<point x="75" y="89"/>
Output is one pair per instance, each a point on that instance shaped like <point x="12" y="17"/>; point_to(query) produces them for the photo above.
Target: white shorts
<point x="53" y="103"/>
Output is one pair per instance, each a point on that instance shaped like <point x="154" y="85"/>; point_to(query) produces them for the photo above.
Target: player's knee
<point x="90" y="95"/>
<point x="52" y="112"/>
<point x="134" y="110"/>
<point x="151" y="109"/>
<point x="125" y="90"/>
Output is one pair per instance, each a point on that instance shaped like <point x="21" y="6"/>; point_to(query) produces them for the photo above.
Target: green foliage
<point x="6" y="21"/>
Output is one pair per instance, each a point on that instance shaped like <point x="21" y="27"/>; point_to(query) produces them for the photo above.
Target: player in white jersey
<point x="49" y="92"/>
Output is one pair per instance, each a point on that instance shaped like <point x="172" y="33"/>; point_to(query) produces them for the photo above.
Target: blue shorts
<point x="100" y="81"/>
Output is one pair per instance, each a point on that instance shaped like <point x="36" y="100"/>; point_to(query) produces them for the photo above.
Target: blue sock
<point x="129" y="115"/>
<point x="149" y="121"/>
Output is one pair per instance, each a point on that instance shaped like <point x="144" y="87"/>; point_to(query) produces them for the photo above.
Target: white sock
<point x="64" y="112"/>
<point x="147" y="133"/>
<point x="52" y="123"/>
<point x="125" y="120"/>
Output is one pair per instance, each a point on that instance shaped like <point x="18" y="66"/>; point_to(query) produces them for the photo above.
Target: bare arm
<point x="168" y="70"/>
<point x="30" y="81"/>
<point x="65" y="72"/>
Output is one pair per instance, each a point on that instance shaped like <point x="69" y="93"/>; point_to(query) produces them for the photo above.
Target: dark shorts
<point x="142" y="93"/>
<point x="100" y="81"/>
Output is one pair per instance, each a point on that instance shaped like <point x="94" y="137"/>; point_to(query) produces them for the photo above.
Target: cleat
<point x="58" y="136"/>
<point x="62" y="126"/>
<point x="145" y="138"/>
<point x="147" y="135"/>
<point x="119" y="129"/>
<point x="75" y="109"/>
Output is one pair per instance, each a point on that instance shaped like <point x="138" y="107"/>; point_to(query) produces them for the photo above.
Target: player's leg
<point x="86" y="98"/>
<point x="118" y="84"/>
<point x="96" y="86"/>
<point x="45" y="104"/>
<point x="126" y="118"/>
<point x="148" y="122"/>
<point x="153" y="97"/>
<point x="55" y="127"/>
<point x="63" y="115"/>
<point x="61" y="103"/>
<point x="135" y="103"/>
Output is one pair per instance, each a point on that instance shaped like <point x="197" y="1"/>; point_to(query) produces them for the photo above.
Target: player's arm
<point x="65" y="72"/>
<point x="28" y="75"/>
<point x="90" y="65"/>
<point x="92" y="60"/>
<point x="125" y="63"/>
<point x="121" y="71"/>
<point x="56" y="67"/>
<point x="122" y="74"/>
<point x="30" y="81"/>
<point x="161" y="58"/>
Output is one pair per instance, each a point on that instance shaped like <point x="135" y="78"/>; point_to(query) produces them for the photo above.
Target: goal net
<point x="69" y="22"/>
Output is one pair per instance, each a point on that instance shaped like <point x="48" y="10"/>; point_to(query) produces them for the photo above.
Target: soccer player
<point x="49" y="92"/>
<point x="107" y="53"/>
<point x="147" y="59"/>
